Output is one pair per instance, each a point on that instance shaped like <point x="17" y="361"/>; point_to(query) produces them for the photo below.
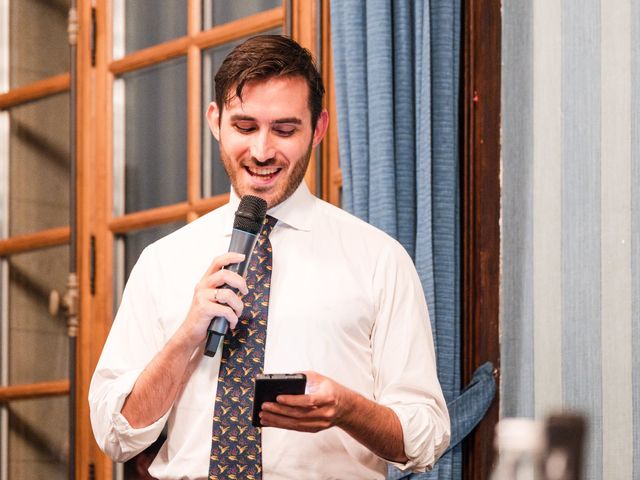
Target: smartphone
<point x="270" y="385"/>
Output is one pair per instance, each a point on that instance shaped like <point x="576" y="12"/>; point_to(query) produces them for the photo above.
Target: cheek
<point x="233" y="145"/>
<point x="294" y="150"/>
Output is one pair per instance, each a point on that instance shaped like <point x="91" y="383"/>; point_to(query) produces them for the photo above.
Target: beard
<point x="276" y="194"/>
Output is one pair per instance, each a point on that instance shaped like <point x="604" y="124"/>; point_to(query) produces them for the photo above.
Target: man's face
<point x="266" y="140"/>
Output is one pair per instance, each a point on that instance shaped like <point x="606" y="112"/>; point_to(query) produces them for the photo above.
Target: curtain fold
<point x="397" y="78"/>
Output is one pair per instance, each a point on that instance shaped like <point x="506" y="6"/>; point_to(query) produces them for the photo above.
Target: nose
<point x="262" y="148"/>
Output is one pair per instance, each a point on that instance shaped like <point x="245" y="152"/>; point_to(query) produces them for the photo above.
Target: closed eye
<point x="284" y="131"/>
<point x="243" y="127"/>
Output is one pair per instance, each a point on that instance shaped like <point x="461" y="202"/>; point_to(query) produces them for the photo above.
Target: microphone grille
<point x="250" y="214"/>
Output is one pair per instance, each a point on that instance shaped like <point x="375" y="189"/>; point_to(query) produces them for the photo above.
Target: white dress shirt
<point x="345" y="301"/>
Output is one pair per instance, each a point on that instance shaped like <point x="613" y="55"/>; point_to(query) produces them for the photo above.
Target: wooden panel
<point x="304" y="15"/>
<point x="33" y="241"/>
<point x="170" y="213"/>
<point x="481" y="213"/>
<point x="194" y="107"/>
<point x="336" y="178"/>
<point x="241" y="28"/>
<point x="332" y="176"/>
<point x="150" y="56"/>
<point x="88" y="195"/>
<point x="194" y="124"/>
<point x="34" y="390"/>
<point x="35" y="91"/>
<point x="304" y="18"/>
<point x="215" y="36"/>
<point x="207" y="204"/>
<point x="149" y="218"/>
<point x="194" y="17"/>
<point x="97" y="315"/>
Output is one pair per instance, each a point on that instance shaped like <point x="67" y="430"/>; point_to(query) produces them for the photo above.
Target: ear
<point x="213" y="119"/>
<point x="321" y="127"/>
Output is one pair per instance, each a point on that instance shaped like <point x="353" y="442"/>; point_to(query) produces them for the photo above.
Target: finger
<point x="314" y="380"/>
<point x="222" y="310"/>
<point x="308" y="401"/>
<point x="230" y="315"/>
<point x="228" y="258"/>
<point x="287" y="411"/>
<point x="228" y="278"/>
<point x="279" y="421"/>
<point x="227" y="297"/>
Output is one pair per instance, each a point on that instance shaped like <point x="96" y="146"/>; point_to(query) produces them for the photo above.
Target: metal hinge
<point x="93" y="36"/>
<point x="92" y="471"/>
<point x="92" y="265"/>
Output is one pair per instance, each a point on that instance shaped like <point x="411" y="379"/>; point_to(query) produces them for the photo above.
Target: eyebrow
<point x="293" y="120"/>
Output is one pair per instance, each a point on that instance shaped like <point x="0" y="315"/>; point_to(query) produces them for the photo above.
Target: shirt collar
<point x="296" y="211"/>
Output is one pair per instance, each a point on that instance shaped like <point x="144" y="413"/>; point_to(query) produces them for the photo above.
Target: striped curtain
<point x="571" y="221"/>
<point x="397" y="75"/>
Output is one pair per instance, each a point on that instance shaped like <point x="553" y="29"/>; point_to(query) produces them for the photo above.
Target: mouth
<point x="263" y="173"/>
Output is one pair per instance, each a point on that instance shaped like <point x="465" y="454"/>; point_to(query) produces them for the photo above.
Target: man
<point x="345" y="306"/>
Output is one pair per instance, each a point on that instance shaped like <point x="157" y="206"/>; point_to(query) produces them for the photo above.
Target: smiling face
<point x="266" y="138"/>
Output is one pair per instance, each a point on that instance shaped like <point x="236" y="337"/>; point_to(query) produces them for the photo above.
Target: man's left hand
<point x="324" y="405"/>
<point x="327" y="404"/>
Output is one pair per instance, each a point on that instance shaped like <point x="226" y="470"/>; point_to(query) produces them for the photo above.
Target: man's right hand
<point x="210" y="300"/>
<point x="158" y="385"/>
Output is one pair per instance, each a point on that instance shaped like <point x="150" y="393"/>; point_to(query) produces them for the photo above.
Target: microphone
<point x="246" y="227"/>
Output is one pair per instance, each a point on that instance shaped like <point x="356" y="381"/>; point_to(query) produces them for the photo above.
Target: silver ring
<point x="215" y="295"/>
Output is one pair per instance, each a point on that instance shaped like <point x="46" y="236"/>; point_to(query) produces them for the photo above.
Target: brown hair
<point x="264" y="57"/>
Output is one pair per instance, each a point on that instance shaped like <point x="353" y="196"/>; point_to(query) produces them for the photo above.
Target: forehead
<point x="279" y="97"/>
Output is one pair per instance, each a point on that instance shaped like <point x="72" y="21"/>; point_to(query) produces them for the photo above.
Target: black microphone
<point x="246" y="227"/>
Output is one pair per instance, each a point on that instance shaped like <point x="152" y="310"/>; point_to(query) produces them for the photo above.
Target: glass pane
<point x="38" y="41"/>
<point x="38" y="342"/>
<point x="39" y="165"/>
<point x="217" y="12"/>
<point x="147" y="23"/>
<point x="214" y="179"/>
<point x="38" y="438"/>
<point x="155" y="135"/>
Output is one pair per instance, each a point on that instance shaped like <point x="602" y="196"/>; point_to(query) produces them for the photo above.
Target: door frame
<point x="481" y="103"/>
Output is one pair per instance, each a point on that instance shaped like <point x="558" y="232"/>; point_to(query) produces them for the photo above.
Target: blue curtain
<point x="397" y="78"/>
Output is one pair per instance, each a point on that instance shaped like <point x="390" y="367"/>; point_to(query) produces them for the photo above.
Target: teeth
<point x="263" y="171"/>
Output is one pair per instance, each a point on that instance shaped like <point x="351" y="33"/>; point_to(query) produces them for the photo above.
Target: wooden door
<point x="147" y="162"/>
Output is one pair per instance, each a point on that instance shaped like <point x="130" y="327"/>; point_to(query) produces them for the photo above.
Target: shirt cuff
<point x="423" y="442"/>
<point x="131" y="441"/>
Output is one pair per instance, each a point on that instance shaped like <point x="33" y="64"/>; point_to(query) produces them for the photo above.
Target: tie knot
<point x="267" y="225"/>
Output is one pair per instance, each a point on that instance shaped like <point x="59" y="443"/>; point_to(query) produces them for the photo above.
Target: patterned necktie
<point x="236" y="450"/>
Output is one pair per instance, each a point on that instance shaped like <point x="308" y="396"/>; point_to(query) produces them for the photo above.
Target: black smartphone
<point x="270" y="385"/>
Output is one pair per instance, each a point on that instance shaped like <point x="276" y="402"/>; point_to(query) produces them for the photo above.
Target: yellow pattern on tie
<point x="236" y="450"/>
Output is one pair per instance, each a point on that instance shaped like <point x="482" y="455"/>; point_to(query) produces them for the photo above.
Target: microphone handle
<point x="241" y="242"/>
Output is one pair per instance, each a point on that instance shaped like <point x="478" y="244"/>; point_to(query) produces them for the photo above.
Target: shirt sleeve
<point x="404" y="363"/>
<point x="135" y="337"/>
